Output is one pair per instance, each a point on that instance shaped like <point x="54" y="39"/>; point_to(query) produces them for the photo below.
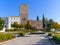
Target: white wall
<point x="13" y="19"/>
<point x="3" y="30"/>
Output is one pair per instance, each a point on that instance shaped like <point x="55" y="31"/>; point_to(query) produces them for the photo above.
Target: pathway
<point x="38" y="39"/>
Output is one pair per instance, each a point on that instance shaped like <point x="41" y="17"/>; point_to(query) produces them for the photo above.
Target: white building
<point x="10" y="20"/>
<point x="13" y="19"/>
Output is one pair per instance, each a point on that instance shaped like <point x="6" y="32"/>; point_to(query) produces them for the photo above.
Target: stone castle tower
<point x="24" y="13"/>
<point x="24" y="17"/>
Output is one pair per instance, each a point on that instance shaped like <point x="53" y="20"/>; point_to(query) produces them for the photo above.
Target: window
<point x="11" y="22"/>
<point x="24" y="18"/>
<point x="17" y="18"/>
<point x="14" y="18"/>
<point x="11" y="18"/>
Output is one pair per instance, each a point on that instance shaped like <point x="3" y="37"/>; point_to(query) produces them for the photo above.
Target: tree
<point x="54" y="24"/>
<point x="28" y="25"/>
<point x="51" y="20"/>
<point x="1" y="23"/>
<point x="43" y="22"/>
<point x="21" y="26"/>
<point x="37" y="18"/>
<point x="49" y="24"/>
<point x="15" y="25"/>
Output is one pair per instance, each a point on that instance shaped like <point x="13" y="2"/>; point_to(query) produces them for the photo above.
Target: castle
<point x="22" y="18"/>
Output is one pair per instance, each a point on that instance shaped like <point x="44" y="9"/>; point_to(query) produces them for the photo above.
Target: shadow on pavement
<point x="43" y="41"/>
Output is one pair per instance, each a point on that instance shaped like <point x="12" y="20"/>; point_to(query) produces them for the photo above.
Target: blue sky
<point x="50" y="8"/>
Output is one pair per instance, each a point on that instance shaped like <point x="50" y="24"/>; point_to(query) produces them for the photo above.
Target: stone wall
<point x="37" y="24"/>
<point x="24" y="13"/>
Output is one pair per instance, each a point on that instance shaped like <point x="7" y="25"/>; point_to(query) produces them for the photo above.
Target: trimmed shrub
<point x="4" y="37"/>
<point x="8" y="30"/>
<point x="22" y="33"/>
<point x="32" y="31"/>
<point x="57" y="38"/>
<point x="49" y="34"/>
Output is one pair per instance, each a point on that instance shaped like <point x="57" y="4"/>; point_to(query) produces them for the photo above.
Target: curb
<point x="1" y="43"/>
<point x="52" y="42"/>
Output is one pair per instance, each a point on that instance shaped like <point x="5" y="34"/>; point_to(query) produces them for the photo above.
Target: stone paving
<point x="35" y="39"/>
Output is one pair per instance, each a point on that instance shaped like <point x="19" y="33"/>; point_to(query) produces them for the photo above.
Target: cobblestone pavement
<point x="35" y="39"/>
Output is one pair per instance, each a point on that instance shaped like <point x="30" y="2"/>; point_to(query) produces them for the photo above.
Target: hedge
<point x="57" y="38"/>
<point x="4" y="37"/>
<point x="7" y="30"/>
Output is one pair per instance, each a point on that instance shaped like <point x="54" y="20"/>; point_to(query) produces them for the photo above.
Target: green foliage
<point x="1" y="24"/>
<point x="28" y="25"/>
<point x="51" y="20"/>
<point x="37" y="18"/>
<point x="4" y="37"/>
<point x="21" y="26"/>
<point x="32" y="31"/>
<point x="48" y="26"/>
<point x="16" y="25"/>
<point x="57" y="38"/>
<point x="43" y="22"/>
<point x="49" y="34"/>
<point x="8" y="30"/>
<point x="53" y="24"/>
<point x="22" y="33"/>
<point x="47" y="30"/>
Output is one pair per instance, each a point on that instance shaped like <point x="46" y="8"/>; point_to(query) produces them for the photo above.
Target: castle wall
<point x="37" y="24"/>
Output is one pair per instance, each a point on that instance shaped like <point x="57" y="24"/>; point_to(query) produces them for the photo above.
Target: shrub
<point x="7" y="30"/>
<point x="47" y="30"/>
<point x="32" y="31"/>
<point x="26" y="31"/>
<point x="22" y="33"/>
<point x="57" y="38"/>
<point x="49" y="34"/>
<point x="4" y="37"/>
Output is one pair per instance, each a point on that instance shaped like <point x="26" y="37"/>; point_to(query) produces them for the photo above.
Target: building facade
<point x="13" y="19"/>
<point x="10" y="20"/>
<point x="22" y="18"/>
<point x="36" y="24"/>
